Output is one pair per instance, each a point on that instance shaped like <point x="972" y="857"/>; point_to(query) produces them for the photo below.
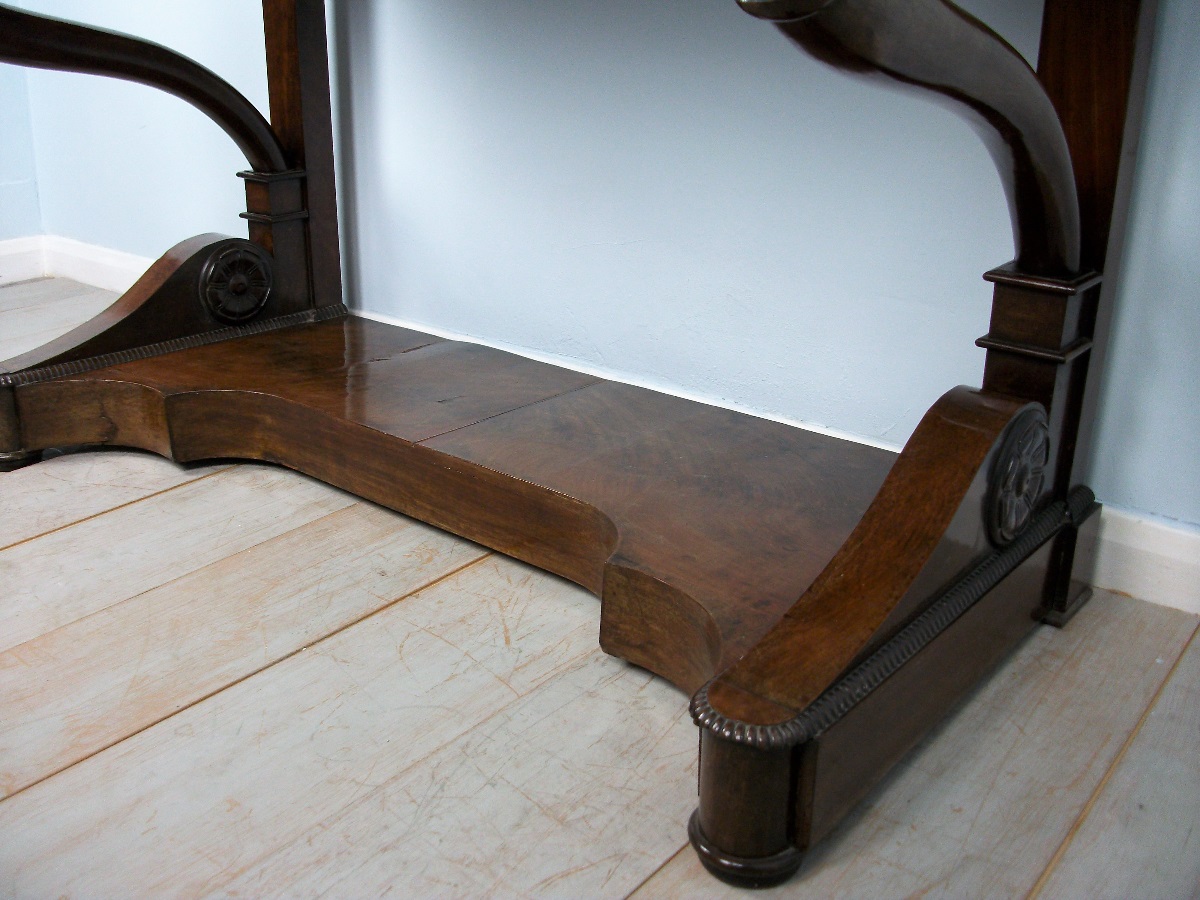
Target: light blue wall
<point x="1148" y="432"/>
<point x="671" y="192"/>
<point x="128" y="167"/>
<point x="19" y="212"/>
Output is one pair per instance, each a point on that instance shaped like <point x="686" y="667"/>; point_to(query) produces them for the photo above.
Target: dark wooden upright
<point x="298" y="83"/>
<point x="1047" y="334"/>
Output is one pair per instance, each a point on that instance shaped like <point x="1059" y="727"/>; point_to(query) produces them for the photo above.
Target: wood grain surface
<point x="188" y="804"/>
<point x="76" y="486"/>
<point x="733" y="516"/>
<point x="228" y="718"/>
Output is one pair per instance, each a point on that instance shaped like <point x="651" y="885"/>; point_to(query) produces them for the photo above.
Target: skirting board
<point x="1146" y="558"/>
<point x="22" y="259"/>
<point x="1132" y="554"/>
<point x="43" y="255"/>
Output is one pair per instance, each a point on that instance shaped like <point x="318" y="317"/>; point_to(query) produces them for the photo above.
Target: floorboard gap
<point x="88" y="518"/>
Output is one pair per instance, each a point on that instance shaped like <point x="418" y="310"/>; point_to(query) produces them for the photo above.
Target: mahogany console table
<point x="826" y="603"/>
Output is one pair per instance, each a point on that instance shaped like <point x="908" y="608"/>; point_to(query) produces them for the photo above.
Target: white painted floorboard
<point x="81" y="688"/>
<point x="44" y="293"/>
<point x="233" y="681"/>
<point x="67" y="489"/>
<point x="74" y="572"/>
<point x="1141" y="838"/>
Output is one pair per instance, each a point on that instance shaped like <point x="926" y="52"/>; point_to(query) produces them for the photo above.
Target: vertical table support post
<point x="1093" y="65"/>
<point x="298" y="84"/>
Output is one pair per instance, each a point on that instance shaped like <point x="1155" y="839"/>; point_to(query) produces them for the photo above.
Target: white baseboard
<point x="46" y="255"/>
<point x="112" y="270"/>
<point x="1146" y="558"/>
<point x="22" y="259"/>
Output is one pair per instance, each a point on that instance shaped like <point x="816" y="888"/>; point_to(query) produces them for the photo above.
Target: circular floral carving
<point x="1018" y="476"/>
<point x="236" y="282"/>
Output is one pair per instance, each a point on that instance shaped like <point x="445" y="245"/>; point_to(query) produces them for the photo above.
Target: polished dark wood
<point x="698" y="526"/>
<point x="827" y="602"/>
<point x="797" y="730"/>
<point x="28" y="39"/>
<point x="1095" y="69"/>
<point x="917" y="566"/>
<point x="1038" y="345"/>
<point x="671" y="474"/>
<point x="11" y="454"/>
<point x="1094" y="74"/>
<point x="278" y="189"/>
<point x="951" y="57"/>
<point x="875" y="582"/>
<point x="298" y="85"/>
<point x="840" y="767"/>
<point x="1093" y="62"/>
<point x="156" y="308"/>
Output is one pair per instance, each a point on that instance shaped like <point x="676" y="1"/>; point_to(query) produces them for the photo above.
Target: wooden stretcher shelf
<point x="600" y="482"/>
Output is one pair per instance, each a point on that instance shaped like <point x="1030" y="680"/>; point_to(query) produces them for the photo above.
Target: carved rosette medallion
<point x="236" y="282"/>
<point x="1018" y="476"/>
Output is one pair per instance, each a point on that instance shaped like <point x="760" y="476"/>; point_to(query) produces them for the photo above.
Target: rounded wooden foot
<point x="755" y="872"/>
<point x="19" y="459"/>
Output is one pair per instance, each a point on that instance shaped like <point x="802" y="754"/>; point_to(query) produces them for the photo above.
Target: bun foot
<point x="18" y="459"/>
<point x="740" y="871"/>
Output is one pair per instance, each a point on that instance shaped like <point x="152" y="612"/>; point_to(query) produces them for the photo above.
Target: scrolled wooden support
<point x="276" y="189"/>
<point x="933" y="46"/>
<point x="43" y="42"/>
<point x="923" y="555"/>
<point x="204" y="290"/>
<point x="169" y="308"/>
<point x="910" y="640"/>
<point x="930" y="504"/>
<point x="753" y="776"/>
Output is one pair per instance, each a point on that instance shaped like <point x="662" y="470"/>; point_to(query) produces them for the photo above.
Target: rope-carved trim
<point x="104" y="360"/>
<point x="832" y="705"/>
